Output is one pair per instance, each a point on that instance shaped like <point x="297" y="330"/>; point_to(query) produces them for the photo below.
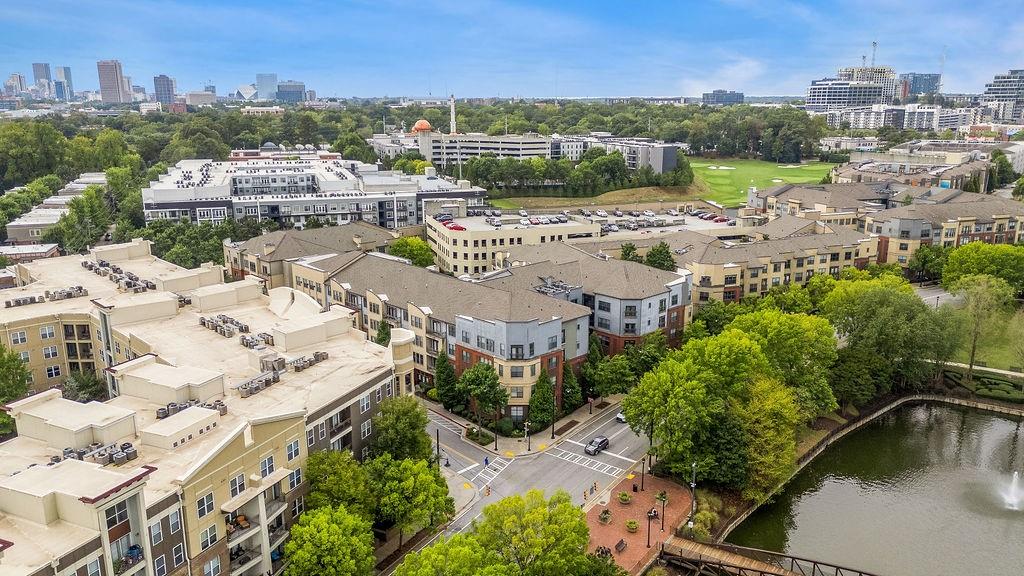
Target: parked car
<point x="617" y="212"/>
<point x="721" y="219"/>
<point x="524" y="213"/>
<point x="565" y="212"/>
<point x="620" y="417"/>
<point x="709" y="216"/>
<point x="524" y="222"/>
<point x="613" y="228"/>
<point x="457" y="227"/>
<point x="602" y="213"/>
<point x="673" y="212"/>
<point x="488" y="213"/>
<point x="545" y="220"/>
<point x="587" y="213"/>
<point x="563" y="219"/>
<point x="648" y="212"/>
<point x="443" y="217"/>
<point x="596" y="445"/>
<point x="634" y="213"/>
<point x="732" y="222"/>
<point x="534" y="220"/>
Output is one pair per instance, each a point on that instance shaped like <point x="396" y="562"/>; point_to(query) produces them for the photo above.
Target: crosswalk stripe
<point x="590" y="463"/>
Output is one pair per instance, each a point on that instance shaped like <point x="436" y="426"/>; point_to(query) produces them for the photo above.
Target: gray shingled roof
<point x="974" y="205"/>
<point x="298" y="243"/>
<point x="836" y="195"/>
<point x="447" y="296"/>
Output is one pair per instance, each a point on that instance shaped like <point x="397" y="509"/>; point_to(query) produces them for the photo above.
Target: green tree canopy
<point x="628" y="252"/>
<point x="1000" y="260"/>
<point x="413" y="249"/>
<point x="14" y="377"/>
<point x="660" y="256"/>
<point x="383" y="336"/>
<point x="770" y="417"/>
<point x="542" y="401"/>
<point x="401" y="430"/>
<point x="481" y="381"/>
<point x="449" y="389"/>
<point x="337" y="479"/>
<point x="330" y="542"/>
<point x="984" y="298"/>
<point x="460" y="555"/>
<point x="572" y="394"/>
<point x="613" y="376"/>
<point x="410" y="493"/>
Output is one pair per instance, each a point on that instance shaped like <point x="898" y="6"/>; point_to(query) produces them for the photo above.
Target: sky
<point x="564" y="48"/>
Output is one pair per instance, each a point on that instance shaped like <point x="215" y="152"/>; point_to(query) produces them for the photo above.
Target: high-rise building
<point x="15" y="84"/>
<point x="266" y="86"/>
<point x="210" y="88"/>
<point x="163" y="87"/>
<point x="833" y="94"/>
<point x="722" y="98"/>
<point x="1005" y="95"/>
<point x="291" y="91"/>
<point x="64" y="75"/>
<point x="41" y="71"/>
<point x="113" y="87"/>
<point x="60" y="90"/>
<point x="883" y="75"/>
<point x="916" y="83"/>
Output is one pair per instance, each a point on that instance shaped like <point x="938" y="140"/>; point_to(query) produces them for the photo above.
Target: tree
<point x="927" y="261"/>
<point x="1018" y="190"/>
<point x="646" y="355"/>
<point x="542" y="402"/>
<point x="84" y="386"/>
<point x="383" y="333"/>
<point x="14" y="377"/>
<point x="572" y="394"/>
<point x="853" y="376"/>
<point x="412" y="249"/>
<point x="660" y="256"/>
<point x="330" y="542"/>
<point x="613" y="376"/>
<point x="1000" y="260"/>
<point x="628" y="252"/>
<point x="449" y="390"/>
<point x="410" y="493"/>
<point x="984" y="298"/>
<point x="460" y="555"/>
<point x="802" y="349"/>
<point x="401" y="430"/>
<point x="337" y="479"/>
<point x="536" y="536"/>
<point x="770" y="418"/>
<point x="4" y="261"/>
<point x="1015" y="335"/>
<point x="788" y="298"/>
<point x="483" y="386"/>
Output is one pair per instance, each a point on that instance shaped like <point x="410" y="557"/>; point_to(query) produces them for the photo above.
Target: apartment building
<point x="786" y="250"/>
<point x="627" y="300"/>
<point x="196" y="464"/>
<point x="832" y="204"/>
<point x="944" y="218"/>
<point x="267" y="257"/>
<point x="444" y="149"/>
<point x="29" y="252"/>
<point x="1005" y="95"/>
<point x="519" y="331"/>
<point x="473" y="244"/>
<point x="289" y="191"/>
<point x="882" y="75"/>
<point x="833" y="94"/>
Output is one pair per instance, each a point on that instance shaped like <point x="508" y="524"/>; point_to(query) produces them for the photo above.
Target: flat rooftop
<point x="511" y="221"/>
<point x="39" y="216"/>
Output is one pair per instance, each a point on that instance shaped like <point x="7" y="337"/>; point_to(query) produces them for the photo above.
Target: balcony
<point x="242" y="527"/>
<point x="243" y="559"/>
<point x="341" y="427"/>
<point x="275" y="507"/>
<point x="131" y="561"/>
<point x="277" y="536"/>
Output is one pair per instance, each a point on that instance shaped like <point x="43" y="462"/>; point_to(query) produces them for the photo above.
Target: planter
<point x="625" y="498"/>
<point x="632" y="526"/>
<point x="605" y="516"/>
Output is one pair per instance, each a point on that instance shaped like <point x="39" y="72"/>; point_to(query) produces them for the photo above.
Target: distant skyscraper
<point x="64" y="75"/>
<point x="113" y="88"/>
<point x="291" y="91"/>
<point x="163" y="87"/>
<point x="1005" y="96"/>
<point x="882" y="75"/>
<point x="266" y="86"/>
<point x="60" y="90"/>
<point x="41" y="71"/>
<point x="210" y="88"/>
<point x="722" y="98"/>
<point x="15" y="84"/>
<point x="916" y="83"/>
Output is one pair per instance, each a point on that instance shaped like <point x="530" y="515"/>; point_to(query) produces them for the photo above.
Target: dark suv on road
<point x="596" y="445"/>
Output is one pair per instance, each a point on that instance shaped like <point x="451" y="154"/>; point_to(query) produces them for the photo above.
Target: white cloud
<point x="736" y="74"/>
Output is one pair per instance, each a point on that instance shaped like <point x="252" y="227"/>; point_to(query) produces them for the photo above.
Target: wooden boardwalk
<point x="711" y="554"/>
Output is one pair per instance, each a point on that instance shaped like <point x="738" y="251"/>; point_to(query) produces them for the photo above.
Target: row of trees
<point x="401" y="486"/>
<point x="17" y="202"/>
<point x="659" y="256"/>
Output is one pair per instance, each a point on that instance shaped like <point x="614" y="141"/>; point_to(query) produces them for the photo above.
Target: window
<point x="515" y="391"/>
<point x="93" y="568"/>
<point x="552" y="342"/>
<point x="630" y="312"/>
<point x="50" y="352"/>
<point x="117" y="514"/>
<point x="516" y="352"/>
<point x="237" y="485"/>
<point x="365" y="429"/>
<point x="364" y="404"/>
<point x="379" y="392"/>
<point x="18" y="337"/>
<point x="212" y="568"/>
<point x="904" y="246"/>
<point x="267" y="466"/>
<point x="178" y="555"/>
<point x="156" y="533"/>
<point x="205" y="505"/>
<point x="604" y="306"/>
<point x="604" y="323"/>
<point x="174" y="519"/>
<point x="208" y="537"/>
<point x="293" y="450"/>
<point x="321" y="430"/>
<point x="160" y="565"/>
<point x="25" y="356"/>
<point x="46" y="332"/>
<point x="295" y="478"/>
<point x="516" y="371"/>
<point x="299" y="504"/>
<point x="310" y="437"/>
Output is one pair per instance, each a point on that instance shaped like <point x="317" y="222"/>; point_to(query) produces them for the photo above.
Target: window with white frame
<point x="174" y="519"/>
<point x="321" y="430"/>
<point x="52" y="371"/>
<point x="298" y="506"/>
<point x="204" y="505"/>
<point x="364" y="404"/>
<point x="237" y="485"/>
<point x="267" y="466"/>
<point x="25" y="356"/>
<point x="379" y="392"/>
<point x="208" y="537"/>
<point x="310" y="437"/>
<point x="117" y="514"/>
<point x="93" y="568"/>
<point x="50" y="352"/>
<point x="178" y="555"/>
<point x="389" y="388"/>
<point x="365" y="429"/>
<point x="293" y="450"/>
<point x="295" y="478"/>
<point x="46" y="332"/>
<point x="212" y="568"/>
<point x="160" y="565"/>
<point x="19" y="337"/>
<point x="156" y="533"/>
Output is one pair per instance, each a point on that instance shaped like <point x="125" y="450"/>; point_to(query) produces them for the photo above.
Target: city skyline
<point x="523" y="49"/>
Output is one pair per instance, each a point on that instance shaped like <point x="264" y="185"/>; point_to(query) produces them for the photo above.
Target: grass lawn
<point x="626" y="197"/>
<point x="729" y="187"/>
<point x="993" y="347"/>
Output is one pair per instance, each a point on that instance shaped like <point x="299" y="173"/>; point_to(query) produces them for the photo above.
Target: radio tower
<point x="874" y="47"/>
<point x="451" y="105"/>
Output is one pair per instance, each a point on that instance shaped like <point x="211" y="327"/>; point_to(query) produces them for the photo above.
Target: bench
<point x="620" y="545"/>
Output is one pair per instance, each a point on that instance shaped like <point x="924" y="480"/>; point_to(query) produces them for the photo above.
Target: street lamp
<point x="591" y="401"/>
<point x="663" y="496"/>
<point x="554" y="410"/>
<point x="693" y="491"/>
<point x="650" y="516"/>
<point x="643" y="468"/>
<point x="526" y="430"/>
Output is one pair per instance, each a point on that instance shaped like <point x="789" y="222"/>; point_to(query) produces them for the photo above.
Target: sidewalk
<point x="541" y="440"/>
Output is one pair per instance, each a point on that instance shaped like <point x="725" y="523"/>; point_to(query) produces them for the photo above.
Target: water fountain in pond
<point x="1014" y="495"/>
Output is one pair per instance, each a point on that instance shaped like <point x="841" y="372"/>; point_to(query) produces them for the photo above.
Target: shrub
<point x="432" y="394"/>
<point x="481" y="437"/>
<point x="605" y="516"/>
<point x="632" y="525"/>
<point x="625" y="497"/>
<point x="707" y="500"/>
<point x="504" y="427"/>
<point x="706" y="519"/>
<point x="701" y="533"/>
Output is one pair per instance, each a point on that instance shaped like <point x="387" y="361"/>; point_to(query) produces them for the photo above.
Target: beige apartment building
<point x="218" y="394"/>
<point x="830" y="204"/>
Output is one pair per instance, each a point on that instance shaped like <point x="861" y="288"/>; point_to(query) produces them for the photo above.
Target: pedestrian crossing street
<point x="586" y="462"/>
<point x="490" y="472"/>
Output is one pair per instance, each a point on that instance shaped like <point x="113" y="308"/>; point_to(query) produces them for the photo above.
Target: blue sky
<point x="507" y="48"/>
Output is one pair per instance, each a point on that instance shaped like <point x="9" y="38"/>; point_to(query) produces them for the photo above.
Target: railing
<point x="795" y="564"/>
<point x="335" y="430"/>
<point x="701" y="565"/>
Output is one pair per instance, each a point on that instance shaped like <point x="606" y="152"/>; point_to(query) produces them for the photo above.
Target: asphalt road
<point x="935" y="295"/>
<point x="561" y="466"/>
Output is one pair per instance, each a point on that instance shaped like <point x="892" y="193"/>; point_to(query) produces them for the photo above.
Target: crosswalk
<point x="490" y="472"/>
<point x="586" y="462"/>
<point x="442" y="422"/>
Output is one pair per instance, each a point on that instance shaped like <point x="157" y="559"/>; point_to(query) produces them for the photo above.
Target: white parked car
<point x="613" y="228"/>
<point x="545" y="220"/>
<point x="673" y="212"/>
<point x="602" y="213"/>
<point x="524" y="222"/>
<point x="524" y="213"/>
<point x="649" y="213"/>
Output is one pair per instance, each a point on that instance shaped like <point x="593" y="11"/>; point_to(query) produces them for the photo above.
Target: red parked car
<point x="721" y="219"/>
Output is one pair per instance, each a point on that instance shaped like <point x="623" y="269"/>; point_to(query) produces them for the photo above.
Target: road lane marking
<point x="630" y="460"/>
<point x="599" y="423"/>
<point x="585" y="462"/>
<point x="614" y="434"/>
<point x="468" y="468"/>
<point x="491" y="472"/>
<point x="445" y="423"/>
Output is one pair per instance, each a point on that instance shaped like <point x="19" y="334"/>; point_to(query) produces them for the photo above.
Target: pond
<point x="923" y="490"/>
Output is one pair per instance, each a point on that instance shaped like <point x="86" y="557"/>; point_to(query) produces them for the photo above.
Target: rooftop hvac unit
<point x="131" y="453"/>
<point x="172" y="408"/>
<point x="55" y="459"/>
<point x="244" y="391"/>
<point x="8" y="304"/>
<point x="161" y="413"/>
<point x="120" y="458"/>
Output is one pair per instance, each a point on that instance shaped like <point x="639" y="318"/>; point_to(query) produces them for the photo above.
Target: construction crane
<point x="874" y="48"/>
<point x="942" y="68"/>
